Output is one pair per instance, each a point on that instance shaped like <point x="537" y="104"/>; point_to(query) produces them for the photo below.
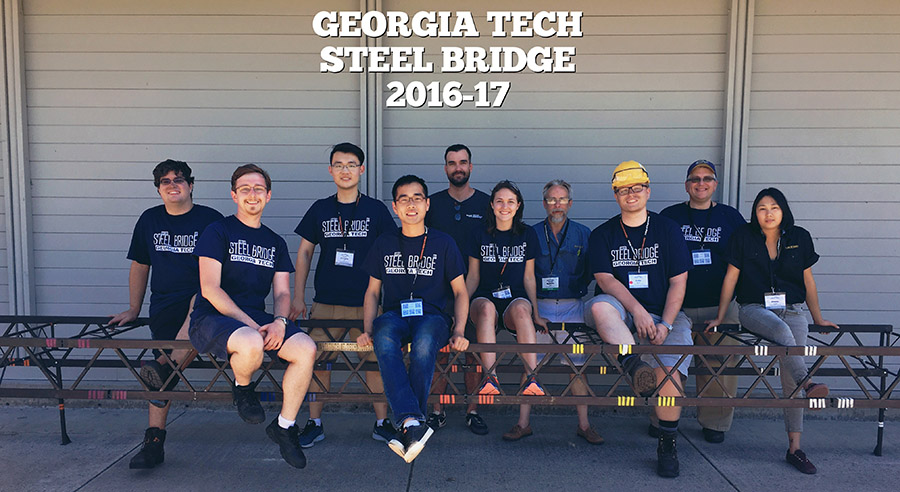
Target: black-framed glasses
<point x="627" y="190"/>
<point x="698" y="179"/>
<point x="346" y="167"/>
<point x="179" y="181"/>
<point x="416" y="199"/>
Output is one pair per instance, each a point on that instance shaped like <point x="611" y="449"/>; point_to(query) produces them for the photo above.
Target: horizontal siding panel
<point x="161" y="22"/>
<point x="177" y="7"/>
<point x="495" y="157"/>
<point x="191" y="135"/>
<point x="826" y="7"/>
<point x="831" y="24"/>
<point x="193" y="117"/>
<point x="825" y="43"/>
<point x="829" y="62"/>
<point x="187" y="152"/>
<point x="207" y="174"/>
<point x="105" y="79"/>
<point x="181" y="43"/>
<point x="576" y="82"/>
<point x="816" y="98"/>
<point x="819" y="173"/>
<point x="189" y="99"/>
<point x="207" y="194"/>
<point x="550" y="137"/>
<point x="175" y="62"/>
<point x="827" y="156"/>
<point x="537" y="119"/>
<point x="831" y="81"/>
<point x="851" y="137"/>
<point x="835" y="118"/>
<point x="650" y="8"/>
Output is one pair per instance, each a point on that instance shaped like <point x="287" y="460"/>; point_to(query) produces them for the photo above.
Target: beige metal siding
<point x="116" y="86"/>
<point x="650" y="86"/>
<point x="825" y="129"/>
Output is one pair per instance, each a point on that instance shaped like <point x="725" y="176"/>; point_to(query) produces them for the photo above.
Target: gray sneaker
<point x="311" y="434"/>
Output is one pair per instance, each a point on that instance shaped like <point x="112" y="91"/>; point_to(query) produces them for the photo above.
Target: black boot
<point x="152" y="452"/>
<point x="667" y="455"/>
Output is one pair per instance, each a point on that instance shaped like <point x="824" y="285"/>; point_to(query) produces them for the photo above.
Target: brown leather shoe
<point x="517" y="433"/>
<point x="590" y="435"/>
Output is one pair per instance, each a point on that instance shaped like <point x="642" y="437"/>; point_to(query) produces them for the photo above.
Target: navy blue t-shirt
<point x="166" y="243"/>
<point x="402" y="267"/>
<point x="362" y="224"/>
<point x="707" y="229"/>
<point x="665" y="255"/>
<point x="458" y="219"/>
<point x="249" y="257"/>
<point x="503" y="247"/>
<point x="747" y="251"/>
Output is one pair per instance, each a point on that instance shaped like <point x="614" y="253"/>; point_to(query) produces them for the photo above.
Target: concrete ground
<point x="212" y="449"/>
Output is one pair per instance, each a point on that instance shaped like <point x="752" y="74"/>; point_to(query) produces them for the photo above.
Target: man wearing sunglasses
<point x="164" y="239"/>
<point x="640" y="262"/>
<point x="456" y="211"/>
<point x="345" y="226"/>
<point x="707" y="226"/>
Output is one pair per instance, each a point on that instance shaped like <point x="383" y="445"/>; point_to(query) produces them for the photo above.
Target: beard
<point x="557" y="218"/>
<point x="458" y="179"/>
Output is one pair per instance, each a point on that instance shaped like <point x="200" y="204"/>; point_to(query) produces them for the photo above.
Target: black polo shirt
<point x="747" y="252"/>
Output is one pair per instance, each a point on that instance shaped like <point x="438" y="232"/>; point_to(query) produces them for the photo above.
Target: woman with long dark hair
<point x="503" y="290"/>
<point x="770" y="263"/>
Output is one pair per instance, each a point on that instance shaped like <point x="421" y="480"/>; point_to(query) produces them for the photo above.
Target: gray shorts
<point x="680" y="334"/>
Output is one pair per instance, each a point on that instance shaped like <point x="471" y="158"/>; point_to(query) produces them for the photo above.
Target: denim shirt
<point x="572" y="266"/>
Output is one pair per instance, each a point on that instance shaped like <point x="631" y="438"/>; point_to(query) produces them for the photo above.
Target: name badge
<point x="550" y="283"/>
<point x="701" y="257"/>
<point x="776" y="300"/>
<point x="638" y="280"/>
<point x="502" y="293"/>
<point x="411" y="307"/>
<point x="343" y="257"/>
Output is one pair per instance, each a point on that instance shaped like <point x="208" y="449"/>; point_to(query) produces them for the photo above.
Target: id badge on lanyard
<point x="343" y="257"/>
<point x="502" y="293"/>
<point x="776" y="300"/>
<point x="701" y="257"/>
<point x="411" y="307"/>
<point x="550" y="283"/>
<point x="638" y="280"/>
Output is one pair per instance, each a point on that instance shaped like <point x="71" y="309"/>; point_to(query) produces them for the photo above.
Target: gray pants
<point x="788" y="326"/>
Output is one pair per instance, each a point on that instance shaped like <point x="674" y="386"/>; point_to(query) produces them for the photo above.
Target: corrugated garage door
<point x="116" y="86"/>
<point x="825" y="129"/>
<point x="650" y="85"/>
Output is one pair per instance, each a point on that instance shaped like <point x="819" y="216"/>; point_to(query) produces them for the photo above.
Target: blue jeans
<point x="408" y="393"/>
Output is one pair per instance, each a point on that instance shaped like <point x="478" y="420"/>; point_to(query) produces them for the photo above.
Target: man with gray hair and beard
<point x="562" y="276"/>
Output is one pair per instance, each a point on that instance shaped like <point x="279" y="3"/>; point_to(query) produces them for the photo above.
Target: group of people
<point x="461" y="266"/>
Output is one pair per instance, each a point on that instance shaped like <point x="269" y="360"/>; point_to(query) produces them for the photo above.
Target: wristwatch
<point x="285" y="321"/>
<point x="667" y="325"/>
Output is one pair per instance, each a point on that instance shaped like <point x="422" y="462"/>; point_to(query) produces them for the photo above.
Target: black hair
<point x="180" y="168"/>
<point x="408" y="179"/>
<point x="457" y="148"/>
<point x="787" y="217"/>
<point x="249" y="169"/>
<point x="518" y="226"/>
<point x="348" y="148"/>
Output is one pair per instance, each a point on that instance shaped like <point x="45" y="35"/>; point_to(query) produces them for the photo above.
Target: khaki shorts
<point x="331" y="311"/>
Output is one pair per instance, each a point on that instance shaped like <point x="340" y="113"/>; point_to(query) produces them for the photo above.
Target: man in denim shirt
<point x="562" y="276"/>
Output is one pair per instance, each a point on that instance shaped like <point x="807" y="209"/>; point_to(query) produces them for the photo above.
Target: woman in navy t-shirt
<point x="501" y="285"/>
<point x="770" y="263"/>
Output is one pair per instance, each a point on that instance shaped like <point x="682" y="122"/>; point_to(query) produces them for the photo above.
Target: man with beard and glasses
<point x="456" y="211"/>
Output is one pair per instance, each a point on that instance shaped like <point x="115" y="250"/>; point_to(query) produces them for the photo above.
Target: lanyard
<point x="771" y="261"/>
<point x="421" y="255"/>
<point x="341" y="219"/>
<point x="634" y="252"/>
<point x="705" y="232"/>
<point x="559" y="246"/>
<point x="508" y="254"/>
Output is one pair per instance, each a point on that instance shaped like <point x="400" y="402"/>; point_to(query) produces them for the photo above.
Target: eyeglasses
<point x="405" y="200"/>
<point x="247" y="189"/>
<point x="705" y="179"/>
<point x="554" y="201"/>
<point x="345" y="167"/>
<point x="166" y="181"/>
<point x="627" y="190"/>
